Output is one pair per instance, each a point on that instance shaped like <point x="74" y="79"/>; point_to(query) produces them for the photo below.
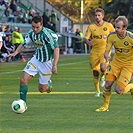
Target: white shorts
<point x="43" y="68"/>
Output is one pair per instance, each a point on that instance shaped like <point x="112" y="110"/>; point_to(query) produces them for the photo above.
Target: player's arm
<point x="88" y="42"/>
<point x="108" y="48"/>
<point x="87" y="39"/>
<point x="18" y="50"/>
<point x="56" y="58"/>
<point x="27" y="41"/>
<point x="1" y="45"/>
<point x="107" y="55"/>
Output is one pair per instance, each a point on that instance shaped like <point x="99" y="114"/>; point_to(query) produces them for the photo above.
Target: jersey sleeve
<point x="88" y="33"/>
<point x="112" y="29"/>
<point x="27" y="40"/>
<point x="55" y="39"/>
<point x="52" y="38"/>
<point x="109" y="43"/>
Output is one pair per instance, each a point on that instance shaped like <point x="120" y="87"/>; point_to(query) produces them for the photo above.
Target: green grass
<point x="70" y="108"/>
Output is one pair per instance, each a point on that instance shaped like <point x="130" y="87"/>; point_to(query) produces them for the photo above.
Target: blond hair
<point x="99" y="10"/>
<point x="123" y="19"/>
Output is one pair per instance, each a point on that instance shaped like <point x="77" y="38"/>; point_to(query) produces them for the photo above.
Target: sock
<point x="96" y="83"/>
<point x="23" y="91"/>
<point x="128" y="88"/>
<point x="106" y="96"/>
<point x="102" y="74"/>
<point x="49" y="86"/>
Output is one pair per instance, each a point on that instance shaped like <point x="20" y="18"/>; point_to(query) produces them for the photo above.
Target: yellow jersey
<point x="123" y="47"/>
<point x="99" y="34"/>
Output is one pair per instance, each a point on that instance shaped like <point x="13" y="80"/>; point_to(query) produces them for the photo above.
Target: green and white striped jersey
<point x="46" y="42"/>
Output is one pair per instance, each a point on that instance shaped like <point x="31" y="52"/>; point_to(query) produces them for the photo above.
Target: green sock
<point x="23" y="91"/>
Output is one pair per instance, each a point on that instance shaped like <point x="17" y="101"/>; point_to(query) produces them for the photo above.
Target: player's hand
<point x="54" y="69"/>
<point x="90" y="43"/>
<point x="11" y="55"/>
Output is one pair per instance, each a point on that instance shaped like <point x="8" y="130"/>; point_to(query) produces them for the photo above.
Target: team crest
<point x="126" y="43"/>
<point x="105" y="28"/>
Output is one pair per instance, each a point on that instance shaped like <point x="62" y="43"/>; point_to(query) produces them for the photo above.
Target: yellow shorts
<point x="96" y="60"/>
<point x="120" y="72"/>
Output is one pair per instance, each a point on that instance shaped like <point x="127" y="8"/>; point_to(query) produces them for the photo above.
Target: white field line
<point x="67" y="64"/>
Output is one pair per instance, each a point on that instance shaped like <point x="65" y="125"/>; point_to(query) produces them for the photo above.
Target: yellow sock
<point x="102" y="74"/>
<point x="96" y="83"/>
<point x="106" y="96"/>
<point x="128" y="88"/>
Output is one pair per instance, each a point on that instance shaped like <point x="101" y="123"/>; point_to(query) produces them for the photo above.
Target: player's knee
<point x="107" y="85"/>
<point x="95" y="73"/>
<point x="118" y="90"/>
<point x="103" y="67"/>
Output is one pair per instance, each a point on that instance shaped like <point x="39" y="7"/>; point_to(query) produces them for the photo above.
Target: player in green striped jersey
<point x="45" y="59"/>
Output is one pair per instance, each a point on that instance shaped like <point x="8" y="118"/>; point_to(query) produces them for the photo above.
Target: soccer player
<point x="120" y="68"/>
<point x="44" y="60"/>
<point x="98" y="32"/>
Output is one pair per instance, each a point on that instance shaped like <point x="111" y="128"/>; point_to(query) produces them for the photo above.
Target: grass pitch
<point x="70" y="108"/>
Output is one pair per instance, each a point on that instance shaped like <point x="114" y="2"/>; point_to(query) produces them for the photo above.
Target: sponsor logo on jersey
<point x="97" y="36"/>
<point x="104" y="36"/>
<point x="39" y="44"/>
<point x="126" y="50"/>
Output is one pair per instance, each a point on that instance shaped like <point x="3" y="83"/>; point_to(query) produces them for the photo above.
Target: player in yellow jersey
<point x="120" y="68"/>
<point x="98" y="32"/>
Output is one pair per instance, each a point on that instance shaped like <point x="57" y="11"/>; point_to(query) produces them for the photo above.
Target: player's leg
<point x="107" y="93"/>
<point x="110" y="79"/>
<point x="95" y="66"/>
<point x="103" y="68"/>
<point x="45" y="73"/>
<point x="131" y="81"/>
<point x="29" y="71"/>
<point x="96" y="82"/>
<point x="123" y="85"/>
<point x="45" y="87"/>
<point x="23" y="85"/>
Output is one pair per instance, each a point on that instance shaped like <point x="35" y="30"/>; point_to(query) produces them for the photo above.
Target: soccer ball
<point x="19" y="106"/>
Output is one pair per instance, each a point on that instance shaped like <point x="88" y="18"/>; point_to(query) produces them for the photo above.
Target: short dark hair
<point x="36" y="19"/>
